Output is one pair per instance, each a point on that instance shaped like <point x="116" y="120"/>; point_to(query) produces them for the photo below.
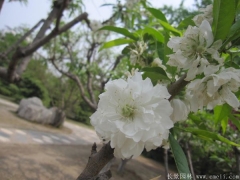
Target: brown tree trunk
<point x="53" y="15"/>
<point x="1" y="4"/>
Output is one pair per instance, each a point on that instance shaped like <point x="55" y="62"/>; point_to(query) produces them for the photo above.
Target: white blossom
<point x="158" y="62"/>
<point x="131" y="4"/>
<point x="195" y="51"/>
<point x="135" y="54"/>
<point x="215" y="89"/>
<point x="95" y="25"/>
<point x="133" y="114"/>
<point x="181" y="110"/>
<point x="207" y="14"/>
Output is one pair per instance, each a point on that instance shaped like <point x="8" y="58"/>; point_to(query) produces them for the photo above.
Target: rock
<point x="32" y="109"/>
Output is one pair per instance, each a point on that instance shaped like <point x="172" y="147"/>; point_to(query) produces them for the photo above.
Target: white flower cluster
<point x="206" y="15"/>
<point x="135" y="54"/>
<point x="133" y="115"/>
<point x="158" y="63"/>
<point x="130" y="4"/>
<point x="197" y="53"/>
<point x="95" y="25"/>
<point x="215" y="89"/>
<point x="98" y="36"/>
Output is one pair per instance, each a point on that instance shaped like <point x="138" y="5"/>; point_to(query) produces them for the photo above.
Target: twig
<point x="79" y="84"/>
<point x="166" y="162"/>
<point x="118" y="59"/>
<point x="190" y="160"/>
<point x="237" y="154"/>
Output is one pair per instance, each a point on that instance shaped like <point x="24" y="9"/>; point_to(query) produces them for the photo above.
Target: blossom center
<point x="200" y="49"/>
<point x="128" y="111"/>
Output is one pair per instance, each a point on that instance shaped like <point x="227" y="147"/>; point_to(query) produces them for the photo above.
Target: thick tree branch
<point x="79" y="84"/>
<point x="61" y="7"/>
<point x="1" y="4"/>
<point x="96" y="162"/>
<point x="177" y="86"/>
<point x="24" y="52"/>
<point x="11" y="48"/>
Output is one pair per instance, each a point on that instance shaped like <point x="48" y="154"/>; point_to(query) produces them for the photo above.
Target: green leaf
<point x="156" y="34"/>
<point x="223" y="17"/>
<point x="197" y="120"/>
<point x="115" y="42"/>
<point x="234" y="33"/>
<point x="163" y="21"/>
<point x="160" y="50"/>
<point x="224" y="124"/>
<point x="170" y="28"/>
<point x="235" y="121"/>
<point x="157" y="14"/>
<point x="186" y="22"/>
<point x="126" y="50"/>
<point x="209" y="135"/>
<point x="221" y="112"/>
<point x="167" y="51"/>
<point x="155" y="73"/>
<point x="122" y="31"/>
<point x="179" y="156"/>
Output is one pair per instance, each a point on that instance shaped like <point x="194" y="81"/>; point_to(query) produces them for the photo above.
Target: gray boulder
<point x="32" y="109"/>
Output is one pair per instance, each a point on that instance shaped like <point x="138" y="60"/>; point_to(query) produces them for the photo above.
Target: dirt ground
<point x="60" y="162"/>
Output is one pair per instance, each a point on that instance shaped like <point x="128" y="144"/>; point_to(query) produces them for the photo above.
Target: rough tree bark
<point x="96" y="162"/>
<point x="99" y="159"/>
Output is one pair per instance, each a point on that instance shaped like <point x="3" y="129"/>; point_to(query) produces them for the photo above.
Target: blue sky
<point x="14" y="14"/>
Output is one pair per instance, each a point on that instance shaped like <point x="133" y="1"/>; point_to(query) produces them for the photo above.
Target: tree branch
<point x="237" y="154"/>
<point x="166" y="162"/>
<point x="11" y="48"/>
<point x="1" y="4"/>
<point x="38" y="42"/>
<point x="190" y="160"/>
<point x="89" y="75"/>
<point x="177" y="86"/>
<point x="79" y="84"/>
<point x="96" y="162"/>
<point x="118" y="59"/>
<point x="61" y="7"/>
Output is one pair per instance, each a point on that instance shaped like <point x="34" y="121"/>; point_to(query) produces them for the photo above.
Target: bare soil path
<point x="30" y="151"/>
